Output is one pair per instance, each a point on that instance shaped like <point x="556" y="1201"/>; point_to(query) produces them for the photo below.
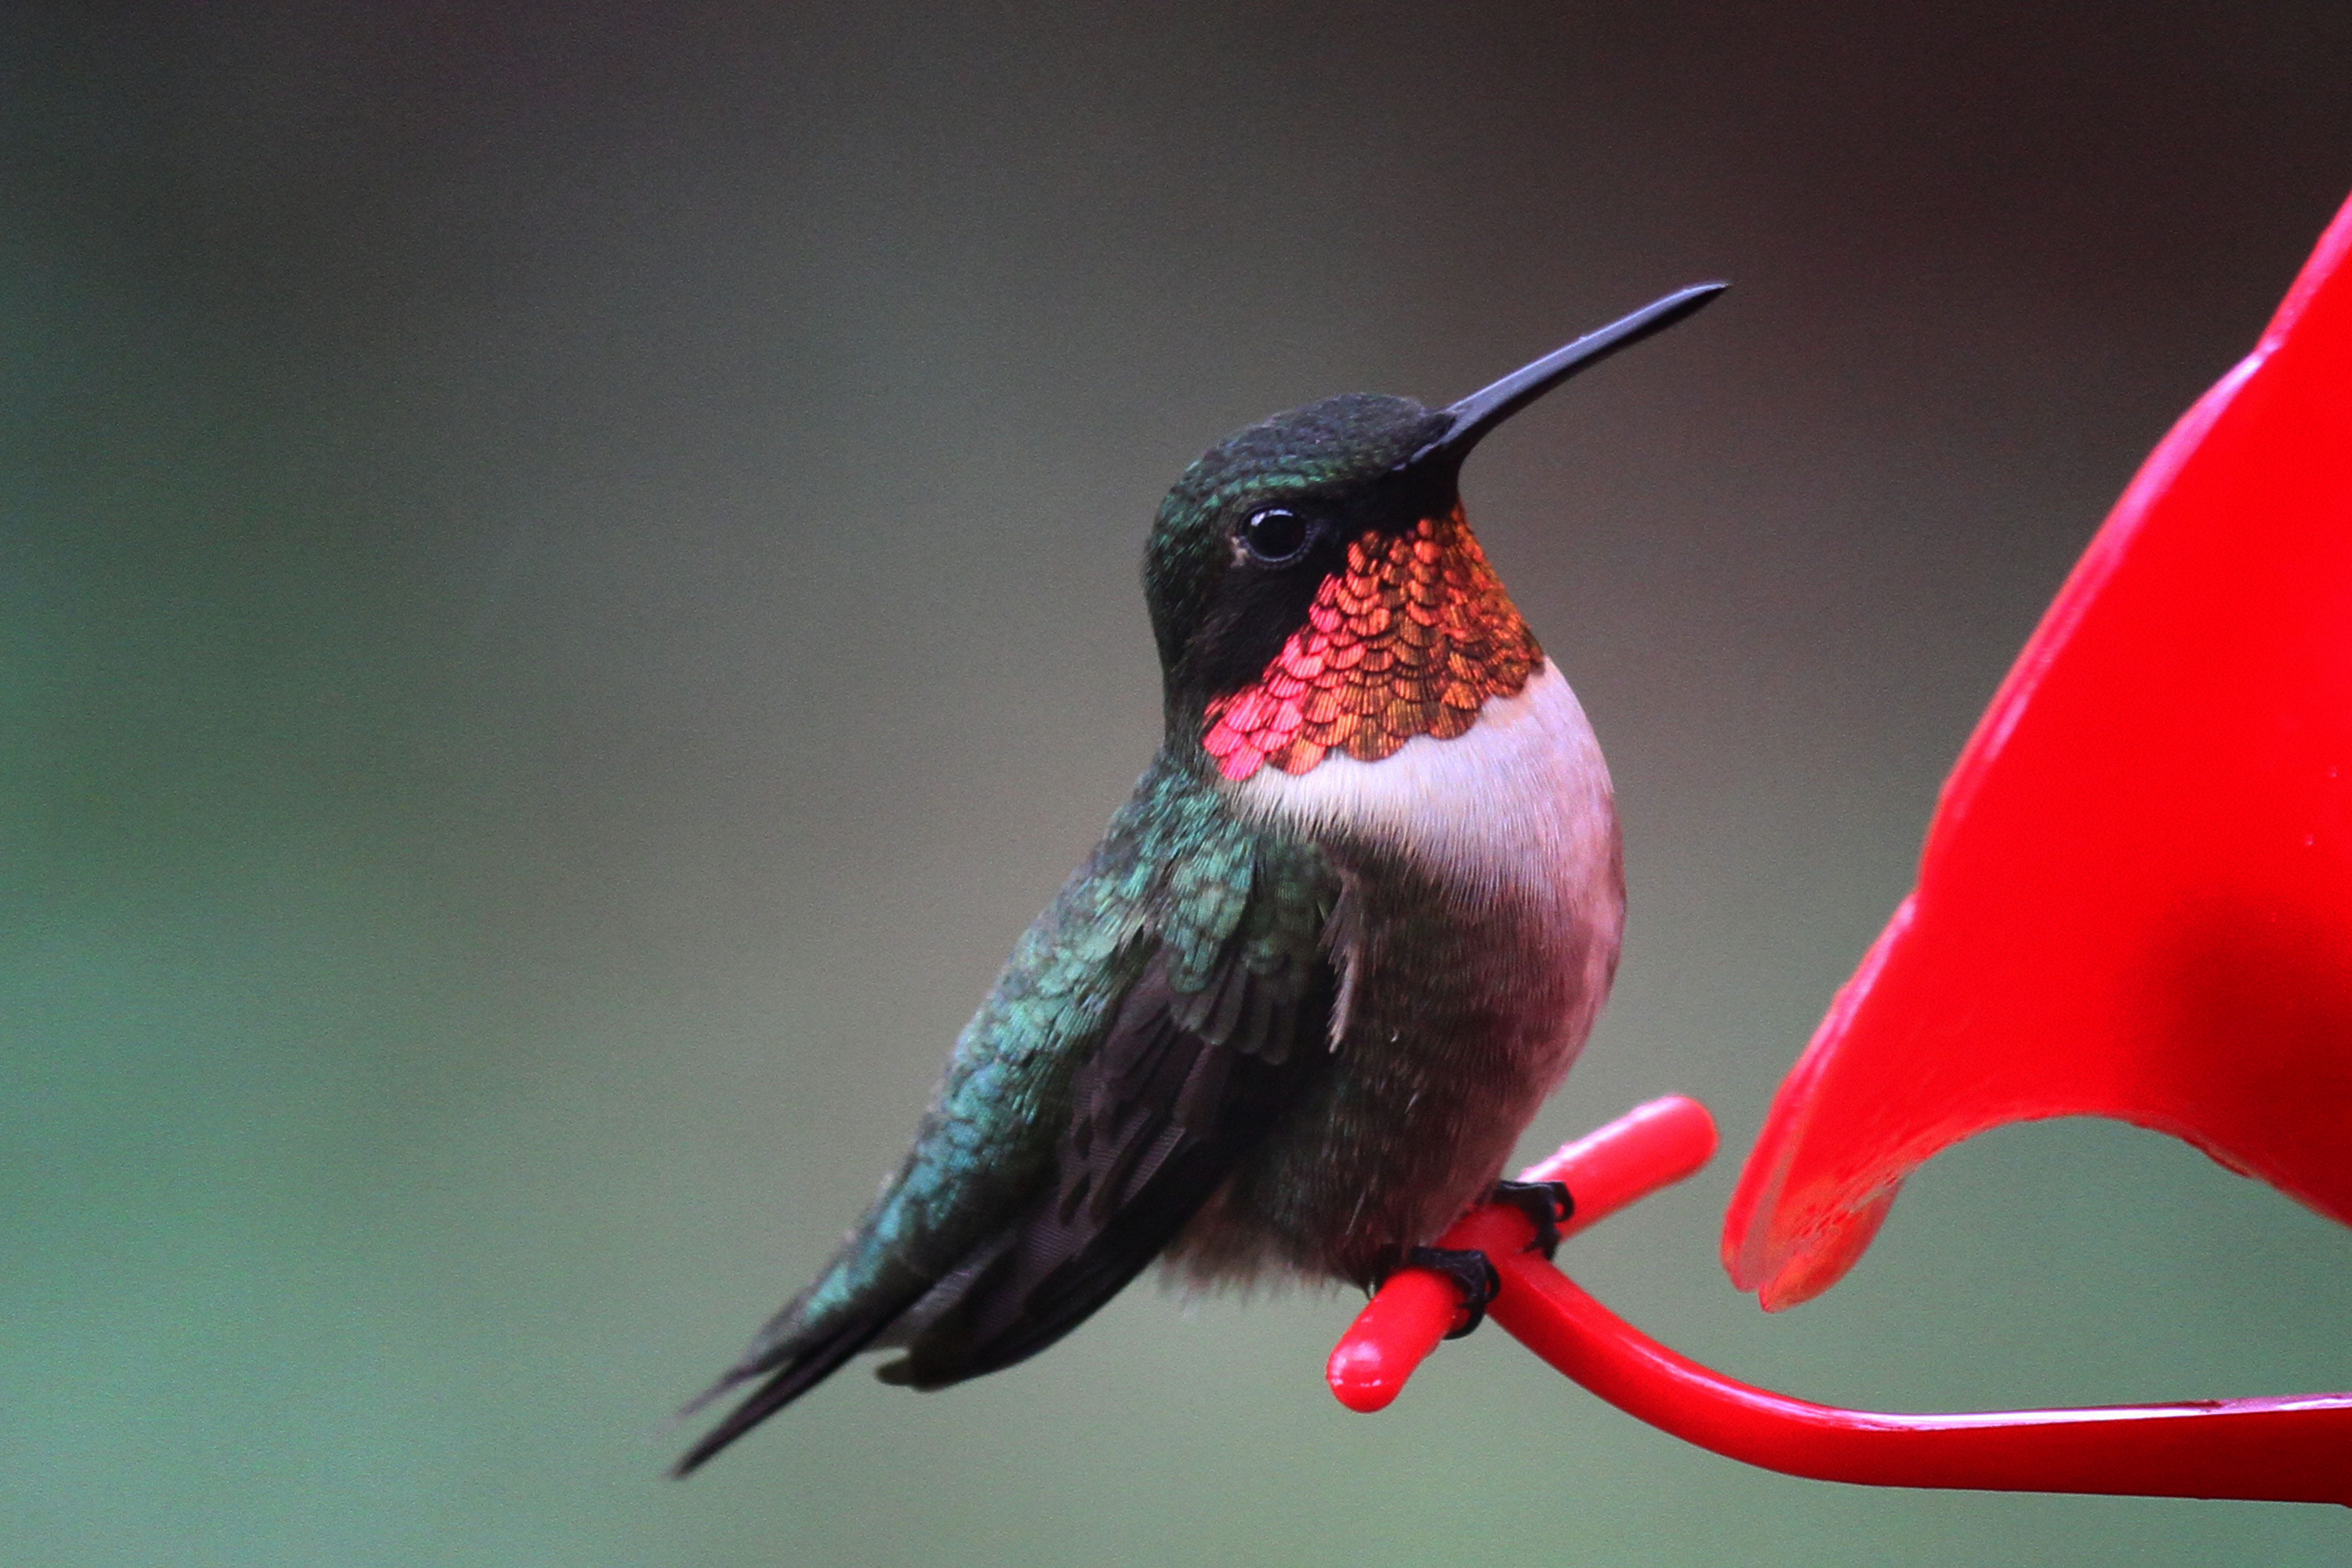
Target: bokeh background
<point x="568" y="583"/>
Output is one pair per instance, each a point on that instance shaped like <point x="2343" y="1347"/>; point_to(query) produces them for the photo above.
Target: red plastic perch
<point x="2292" y="1450"/>
<point x="1651" y="1146"/>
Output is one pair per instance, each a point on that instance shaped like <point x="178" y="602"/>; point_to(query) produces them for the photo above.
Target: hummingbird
<point x="1288" y="1018"/>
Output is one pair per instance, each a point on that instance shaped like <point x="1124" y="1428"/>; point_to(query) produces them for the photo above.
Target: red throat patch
<point x="1410" y="639"/>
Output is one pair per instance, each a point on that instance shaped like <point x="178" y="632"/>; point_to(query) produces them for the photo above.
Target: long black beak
<point x="1482" y="410"/>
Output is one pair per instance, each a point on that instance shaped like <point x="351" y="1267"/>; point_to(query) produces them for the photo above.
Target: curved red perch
<point x="2135" y="898"/>
<point x="1651" y="1146"/>
<point x="2296" y="1449"/>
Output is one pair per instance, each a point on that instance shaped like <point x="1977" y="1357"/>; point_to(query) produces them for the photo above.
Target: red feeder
<point x="2136" y="901"/>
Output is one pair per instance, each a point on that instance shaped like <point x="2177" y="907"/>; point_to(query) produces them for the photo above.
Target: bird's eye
<point x="1277" y="536"/>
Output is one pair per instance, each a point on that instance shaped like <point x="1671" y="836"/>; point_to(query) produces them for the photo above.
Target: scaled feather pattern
<point x="1410" y="639"/>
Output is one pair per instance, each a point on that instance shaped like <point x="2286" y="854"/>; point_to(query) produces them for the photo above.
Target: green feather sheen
<point x="1175" y="871"/>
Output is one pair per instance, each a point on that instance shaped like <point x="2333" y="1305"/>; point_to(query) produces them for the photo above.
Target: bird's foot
<point x="1473" y="1273"/>
<point x="1548" y="1204"/>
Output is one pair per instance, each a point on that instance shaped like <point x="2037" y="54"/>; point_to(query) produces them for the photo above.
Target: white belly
<point x="1518" y="808"/>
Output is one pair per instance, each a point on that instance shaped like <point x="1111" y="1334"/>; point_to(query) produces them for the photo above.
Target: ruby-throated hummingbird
<point x="1291" y="1014"/>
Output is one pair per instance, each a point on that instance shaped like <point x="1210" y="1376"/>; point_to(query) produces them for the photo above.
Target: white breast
<point x="1520" y="805"/>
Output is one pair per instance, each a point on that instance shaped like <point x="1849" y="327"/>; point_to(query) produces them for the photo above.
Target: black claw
<point x="1472" y="1272"/>
<point x="1548" y="1204"/>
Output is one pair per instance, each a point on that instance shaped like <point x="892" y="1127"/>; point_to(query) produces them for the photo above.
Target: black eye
<point x="1277" y="536"/>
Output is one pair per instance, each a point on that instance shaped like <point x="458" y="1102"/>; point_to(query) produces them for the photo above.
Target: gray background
<point x="570" y="583"/>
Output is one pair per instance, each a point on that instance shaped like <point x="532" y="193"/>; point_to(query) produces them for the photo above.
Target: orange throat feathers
<point x="1411" y="638"/>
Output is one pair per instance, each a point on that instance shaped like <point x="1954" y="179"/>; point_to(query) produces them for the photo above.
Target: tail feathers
<point x="794" y="1363"/>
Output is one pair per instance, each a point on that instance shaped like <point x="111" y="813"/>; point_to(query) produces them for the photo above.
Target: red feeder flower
<point x="2135" y="899"/>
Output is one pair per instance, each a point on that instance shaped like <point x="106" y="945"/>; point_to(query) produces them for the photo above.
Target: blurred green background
<point x="570" y="583"/>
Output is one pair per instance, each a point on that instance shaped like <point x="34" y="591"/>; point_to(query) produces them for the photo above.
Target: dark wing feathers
<point x="1158" y="1017"/>
<point x="1162" y="1111"/>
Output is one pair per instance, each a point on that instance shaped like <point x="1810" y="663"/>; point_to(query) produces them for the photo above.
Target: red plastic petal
<point x="2135" y="899"/>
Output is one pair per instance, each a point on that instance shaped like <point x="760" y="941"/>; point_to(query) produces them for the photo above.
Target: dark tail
<point x="795" y="1359"/>
<point x="788" y="1383"/>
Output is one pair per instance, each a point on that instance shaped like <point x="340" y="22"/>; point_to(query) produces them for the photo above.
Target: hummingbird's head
<point x="1314" y="587"/>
